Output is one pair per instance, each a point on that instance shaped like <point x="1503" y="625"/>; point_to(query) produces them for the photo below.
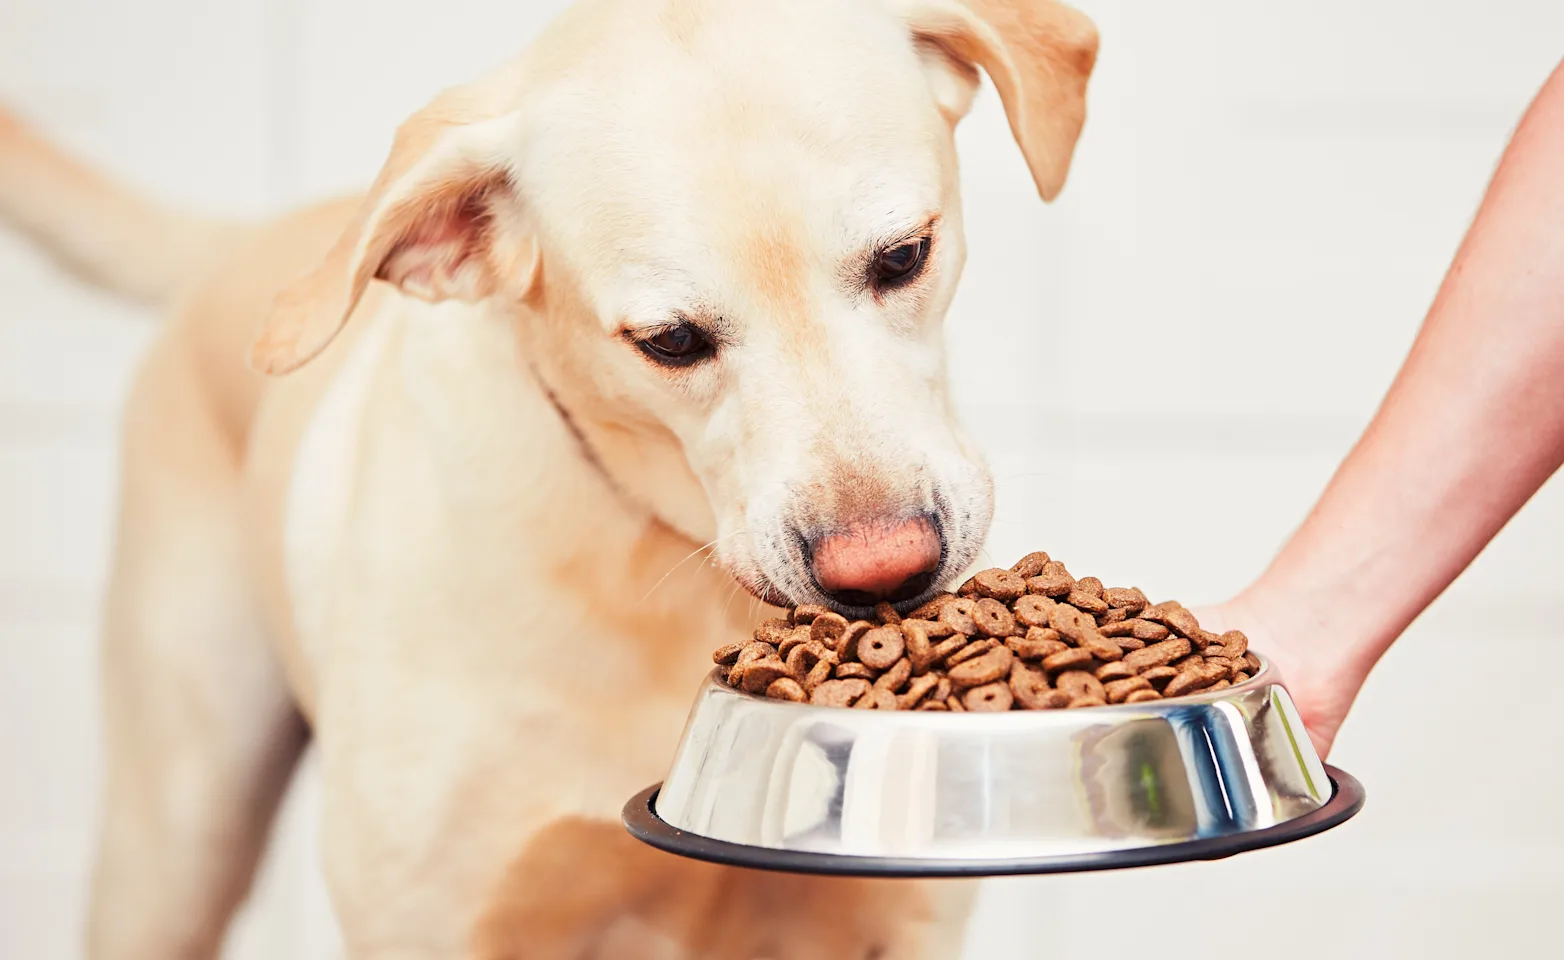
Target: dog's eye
<point x="899" y="264"/>
<point x="678" y="346"/>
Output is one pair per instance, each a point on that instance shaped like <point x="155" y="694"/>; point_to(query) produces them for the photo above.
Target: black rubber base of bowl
<point x="640" y="818"/>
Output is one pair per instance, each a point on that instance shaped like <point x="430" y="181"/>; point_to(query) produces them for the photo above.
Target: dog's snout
<point x="870" y="562"/>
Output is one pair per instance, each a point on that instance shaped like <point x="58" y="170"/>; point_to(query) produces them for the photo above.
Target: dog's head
<point x="729" y="231"/>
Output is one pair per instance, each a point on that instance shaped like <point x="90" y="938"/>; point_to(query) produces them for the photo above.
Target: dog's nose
<point x="867" y="563"/>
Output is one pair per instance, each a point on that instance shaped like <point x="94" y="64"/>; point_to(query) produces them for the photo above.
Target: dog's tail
<point x="100" y="230"/>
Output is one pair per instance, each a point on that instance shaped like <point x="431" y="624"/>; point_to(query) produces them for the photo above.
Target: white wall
<point x="1174" y="356"/>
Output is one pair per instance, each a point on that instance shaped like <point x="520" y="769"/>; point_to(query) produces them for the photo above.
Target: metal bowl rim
<point x="641" y="820"/>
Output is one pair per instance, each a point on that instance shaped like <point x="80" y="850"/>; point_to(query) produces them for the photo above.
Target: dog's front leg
<point x="585" y="890"/>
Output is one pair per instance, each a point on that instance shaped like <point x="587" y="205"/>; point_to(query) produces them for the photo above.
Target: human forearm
<point x="1471" y="428"/>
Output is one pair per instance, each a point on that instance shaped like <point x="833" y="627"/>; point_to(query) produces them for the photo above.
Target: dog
<point x="647" y="316"/>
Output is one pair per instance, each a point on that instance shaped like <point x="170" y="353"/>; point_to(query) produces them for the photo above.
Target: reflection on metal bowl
<point x="773" y="783"/>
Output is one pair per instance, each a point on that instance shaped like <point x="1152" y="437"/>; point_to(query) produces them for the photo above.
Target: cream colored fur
<point x="470" y="538"/>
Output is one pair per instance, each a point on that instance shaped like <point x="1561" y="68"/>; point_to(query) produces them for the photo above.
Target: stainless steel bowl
<point x="769" y="783"/>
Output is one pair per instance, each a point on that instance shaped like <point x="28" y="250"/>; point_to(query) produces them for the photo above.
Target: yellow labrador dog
<point x="671" y="281"/>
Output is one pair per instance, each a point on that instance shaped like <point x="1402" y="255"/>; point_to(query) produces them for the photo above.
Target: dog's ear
<point x="428" y="226"/>
<point x="1038" y="53"/>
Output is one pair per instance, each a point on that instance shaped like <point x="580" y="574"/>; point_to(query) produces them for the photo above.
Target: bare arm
<point x="1472" y="426"/>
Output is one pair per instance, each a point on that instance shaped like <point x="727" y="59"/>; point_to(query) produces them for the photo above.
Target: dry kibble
<point x="930" y="610"/>
<point x="818" y="674"/>
<point x="854" y="671"/>
<point x="997" y="584"/>
<point x="1079" y="683"/>
<point x="1130" y="599"/>
<point x="1038" y="643"/>
<point x="804" y="657"/>
<point x="1118" y="628"/>
<point x="1234" y="644"/>
<point x="1028" y="638"/>
<point x="1117" y="670"/>
<point x="991" y="666"/>
<point x="1158" y="654"/>
<point x="881" y="647"/>
<point x="828" y="628"/>
<point x="753" y="651"/>
<point x="1148" y="631"/>
<point x="919" y="636"/>
<point x="1160" y="675"/>
<point x="1183" y="622"/>
<point x="958" y="616"/>
<point x="757" y="676"/>
<point x="786" y="688"/>
<point x="989" y="698"/>
<point x="917" y="643"/>
<point x="1070" y="659"/>
<point x="896" y="677"/>
<point x="1033" y="610"/>
<point x="1119" y="690"/>
<point x="847" y="646"/>
<point x="1196" y="677"/>
<point x="1031" y="691"/>
<point x="947" y="647"/>
<point x="1053" y="581"/>
<point x="806" y="613"/>
<point x="917" y="690"/>
<point x="993" y="618"/>
<point x="1030" y="688"/>
<point x="1158" y="612"/>
<point x="1101" y="647"/>
<point x="796" y="639"/>
<point x="974" y="649"/>
<point x="1030" y="565"/>
<point x="1072" y="624"/>
<point x="773" y="631"/>
<point x="1087" y="602"/>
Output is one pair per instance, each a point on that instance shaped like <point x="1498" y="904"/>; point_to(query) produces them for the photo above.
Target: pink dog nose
<point x="871" y="562"/>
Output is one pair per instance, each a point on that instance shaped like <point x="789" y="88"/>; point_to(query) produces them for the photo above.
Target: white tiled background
<point x="1165" y="367"/>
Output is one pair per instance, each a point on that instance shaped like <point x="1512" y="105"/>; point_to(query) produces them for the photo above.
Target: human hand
<point x="1317" y="671"/>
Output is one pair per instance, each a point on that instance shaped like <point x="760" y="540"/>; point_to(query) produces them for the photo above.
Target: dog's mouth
<point x="854" y="608"/>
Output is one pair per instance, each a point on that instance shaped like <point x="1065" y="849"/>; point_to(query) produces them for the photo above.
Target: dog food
<point x="1029" y="638"/>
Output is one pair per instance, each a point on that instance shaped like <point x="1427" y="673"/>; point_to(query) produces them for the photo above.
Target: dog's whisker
<point x="731" y="594"/>
<point x="664" y="578"/>
<point x="726" y="536"/>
